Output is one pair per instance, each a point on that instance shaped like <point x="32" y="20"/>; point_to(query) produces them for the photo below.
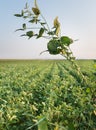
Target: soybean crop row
<point x="47" y="95"/>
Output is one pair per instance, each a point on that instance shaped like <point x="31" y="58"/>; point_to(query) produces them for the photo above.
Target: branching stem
<point x="45" y="21"/>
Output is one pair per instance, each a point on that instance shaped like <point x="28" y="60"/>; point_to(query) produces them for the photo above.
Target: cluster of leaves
<point x="33" y="18"/>
<point x="46" y="95"/>
<point x="39" y="28"/>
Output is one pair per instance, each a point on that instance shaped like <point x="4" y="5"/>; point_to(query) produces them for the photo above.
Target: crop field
<point x="47" y="95"/>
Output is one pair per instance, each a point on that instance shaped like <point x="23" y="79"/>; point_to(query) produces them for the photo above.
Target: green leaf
<point x="25" y="17"/>
<point x="23" y="35"/>
<point x="19" y="30"/>
<point x="54" y="47"/>
<point x="24" y="26"/>
<point x="18" y="15"/>
<point x="29" y="34"/>
<point x="71" y="126"/>
<point x="42" y="124"/>
<point x="32" y="21"/>
<point x="51" y="33"/>
<point x="36" y="11"/>
<point x="42" y="23"/>
<point x="88" y="90"/>
<point x="66" y="40"/>
<point x="22" y="12"/>
<point x="41" y="31"/>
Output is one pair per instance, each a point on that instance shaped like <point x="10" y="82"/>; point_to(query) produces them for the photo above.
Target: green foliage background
<point x="47" y="95"/>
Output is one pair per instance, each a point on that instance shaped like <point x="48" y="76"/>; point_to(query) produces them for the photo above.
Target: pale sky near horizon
<point x="77" y="18"/>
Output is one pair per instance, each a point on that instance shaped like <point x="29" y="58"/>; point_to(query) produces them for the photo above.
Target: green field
<point x="47" y="95"/>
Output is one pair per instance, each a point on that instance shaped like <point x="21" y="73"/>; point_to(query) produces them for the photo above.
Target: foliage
<point x="46" y="95"/>
<point x="40" y="28"/>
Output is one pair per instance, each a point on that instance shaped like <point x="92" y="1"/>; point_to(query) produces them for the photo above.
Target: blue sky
<point x="77" y="18"/>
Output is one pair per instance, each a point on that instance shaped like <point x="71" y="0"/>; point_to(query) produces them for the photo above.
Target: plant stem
<point x="75" y="65"/>
<point x="45" y="22"/>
